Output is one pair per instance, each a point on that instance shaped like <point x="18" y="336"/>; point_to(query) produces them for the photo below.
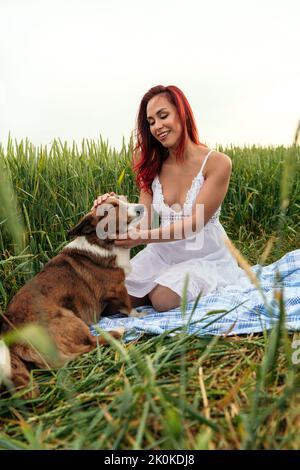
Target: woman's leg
<point x="163" y="298"/>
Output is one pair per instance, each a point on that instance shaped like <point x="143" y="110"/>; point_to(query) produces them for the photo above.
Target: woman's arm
<point x="146" y="199"/>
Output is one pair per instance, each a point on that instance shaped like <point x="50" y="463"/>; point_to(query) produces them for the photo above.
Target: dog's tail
<point x="5" y="363"/>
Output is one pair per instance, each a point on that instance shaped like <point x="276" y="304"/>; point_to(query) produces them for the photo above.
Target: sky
<point x="78" y="69"/>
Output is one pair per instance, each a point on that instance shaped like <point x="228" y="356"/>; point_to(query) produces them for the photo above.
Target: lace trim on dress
<point x="169" y="214"/>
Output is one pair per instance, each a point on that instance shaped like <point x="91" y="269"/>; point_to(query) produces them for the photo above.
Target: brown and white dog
<point x="74" y="289"/>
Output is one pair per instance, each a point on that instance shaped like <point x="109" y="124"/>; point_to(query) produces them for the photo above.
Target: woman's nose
<point x="158" y="126"/>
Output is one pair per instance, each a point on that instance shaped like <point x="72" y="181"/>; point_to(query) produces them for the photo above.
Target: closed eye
<point x="161" y="117"/>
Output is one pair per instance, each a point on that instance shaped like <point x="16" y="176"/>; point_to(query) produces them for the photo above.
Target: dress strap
<point x="205" y="160"/>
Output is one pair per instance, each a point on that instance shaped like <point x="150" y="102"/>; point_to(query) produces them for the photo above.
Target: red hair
<point x="151" y="152"/>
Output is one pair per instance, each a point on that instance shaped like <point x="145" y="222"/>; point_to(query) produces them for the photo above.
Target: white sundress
<point x="203" y="256"/>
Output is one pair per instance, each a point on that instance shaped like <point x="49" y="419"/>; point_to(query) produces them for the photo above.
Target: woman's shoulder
<point x="217" y="162"/>
<point x="217" y="159"/>
<point x="219" y="156"/>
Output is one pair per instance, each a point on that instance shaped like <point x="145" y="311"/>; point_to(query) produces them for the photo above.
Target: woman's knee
<point x="163" y="298"/>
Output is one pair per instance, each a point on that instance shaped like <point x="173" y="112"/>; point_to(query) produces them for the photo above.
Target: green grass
<point x="162" y="392"/>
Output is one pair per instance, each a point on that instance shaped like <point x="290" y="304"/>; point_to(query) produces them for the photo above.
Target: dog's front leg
<point x="21" y="378"/>
<point x="119" y="301"/>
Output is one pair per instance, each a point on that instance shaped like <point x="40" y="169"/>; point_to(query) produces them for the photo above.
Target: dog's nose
<point x="135" y="210"/>
<point x="140" y="210"/>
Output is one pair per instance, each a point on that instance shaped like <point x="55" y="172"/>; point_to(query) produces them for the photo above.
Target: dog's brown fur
<point x="70" y="293"/>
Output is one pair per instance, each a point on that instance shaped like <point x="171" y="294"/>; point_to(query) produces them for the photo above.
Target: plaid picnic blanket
<point x="232" y="311"/>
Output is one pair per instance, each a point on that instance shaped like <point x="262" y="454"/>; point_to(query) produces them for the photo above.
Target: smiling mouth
<point x="163" y="135"/>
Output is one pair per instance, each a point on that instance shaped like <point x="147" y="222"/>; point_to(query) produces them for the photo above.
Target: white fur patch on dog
<point x="122" y="254"/>
<point x="5" y="365"/>
<point x="81" y="244"/>
<point x="123" y="258"/>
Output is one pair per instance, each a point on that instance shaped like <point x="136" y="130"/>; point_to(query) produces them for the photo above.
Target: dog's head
<point x="111" y="219"/>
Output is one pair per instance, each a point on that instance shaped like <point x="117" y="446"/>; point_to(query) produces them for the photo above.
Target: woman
<point x="185" y="183"/>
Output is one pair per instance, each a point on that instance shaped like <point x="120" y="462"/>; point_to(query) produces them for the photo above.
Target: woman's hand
<point x="101" y="199"/>
<point x="134" y="238"/>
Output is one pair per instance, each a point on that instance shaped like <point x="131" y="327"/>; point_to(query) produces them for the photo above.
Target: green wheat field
<point x="179" y="392"/>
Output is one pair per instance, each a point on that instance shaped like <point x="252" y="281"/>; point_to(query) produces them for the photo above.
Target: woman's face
<point x="163" y="120"/>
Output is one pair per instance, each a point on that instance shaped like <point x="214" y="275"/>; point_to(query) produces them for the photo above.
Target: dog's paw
<point x="135" y="313"/>
<point x="119" y="331"/>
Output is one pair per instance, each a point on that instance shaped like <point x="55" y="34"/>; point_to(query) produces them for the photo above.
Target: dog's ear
<point x="84" y="227"/>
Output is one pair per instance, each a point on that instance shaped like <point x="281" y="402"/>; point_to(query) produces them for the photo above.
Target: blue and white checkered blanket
<point x="229" y="312"/>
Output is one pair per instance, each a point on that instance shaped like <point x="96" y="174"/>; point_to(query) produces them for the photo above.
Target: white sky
<point x="78" y="68"/>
